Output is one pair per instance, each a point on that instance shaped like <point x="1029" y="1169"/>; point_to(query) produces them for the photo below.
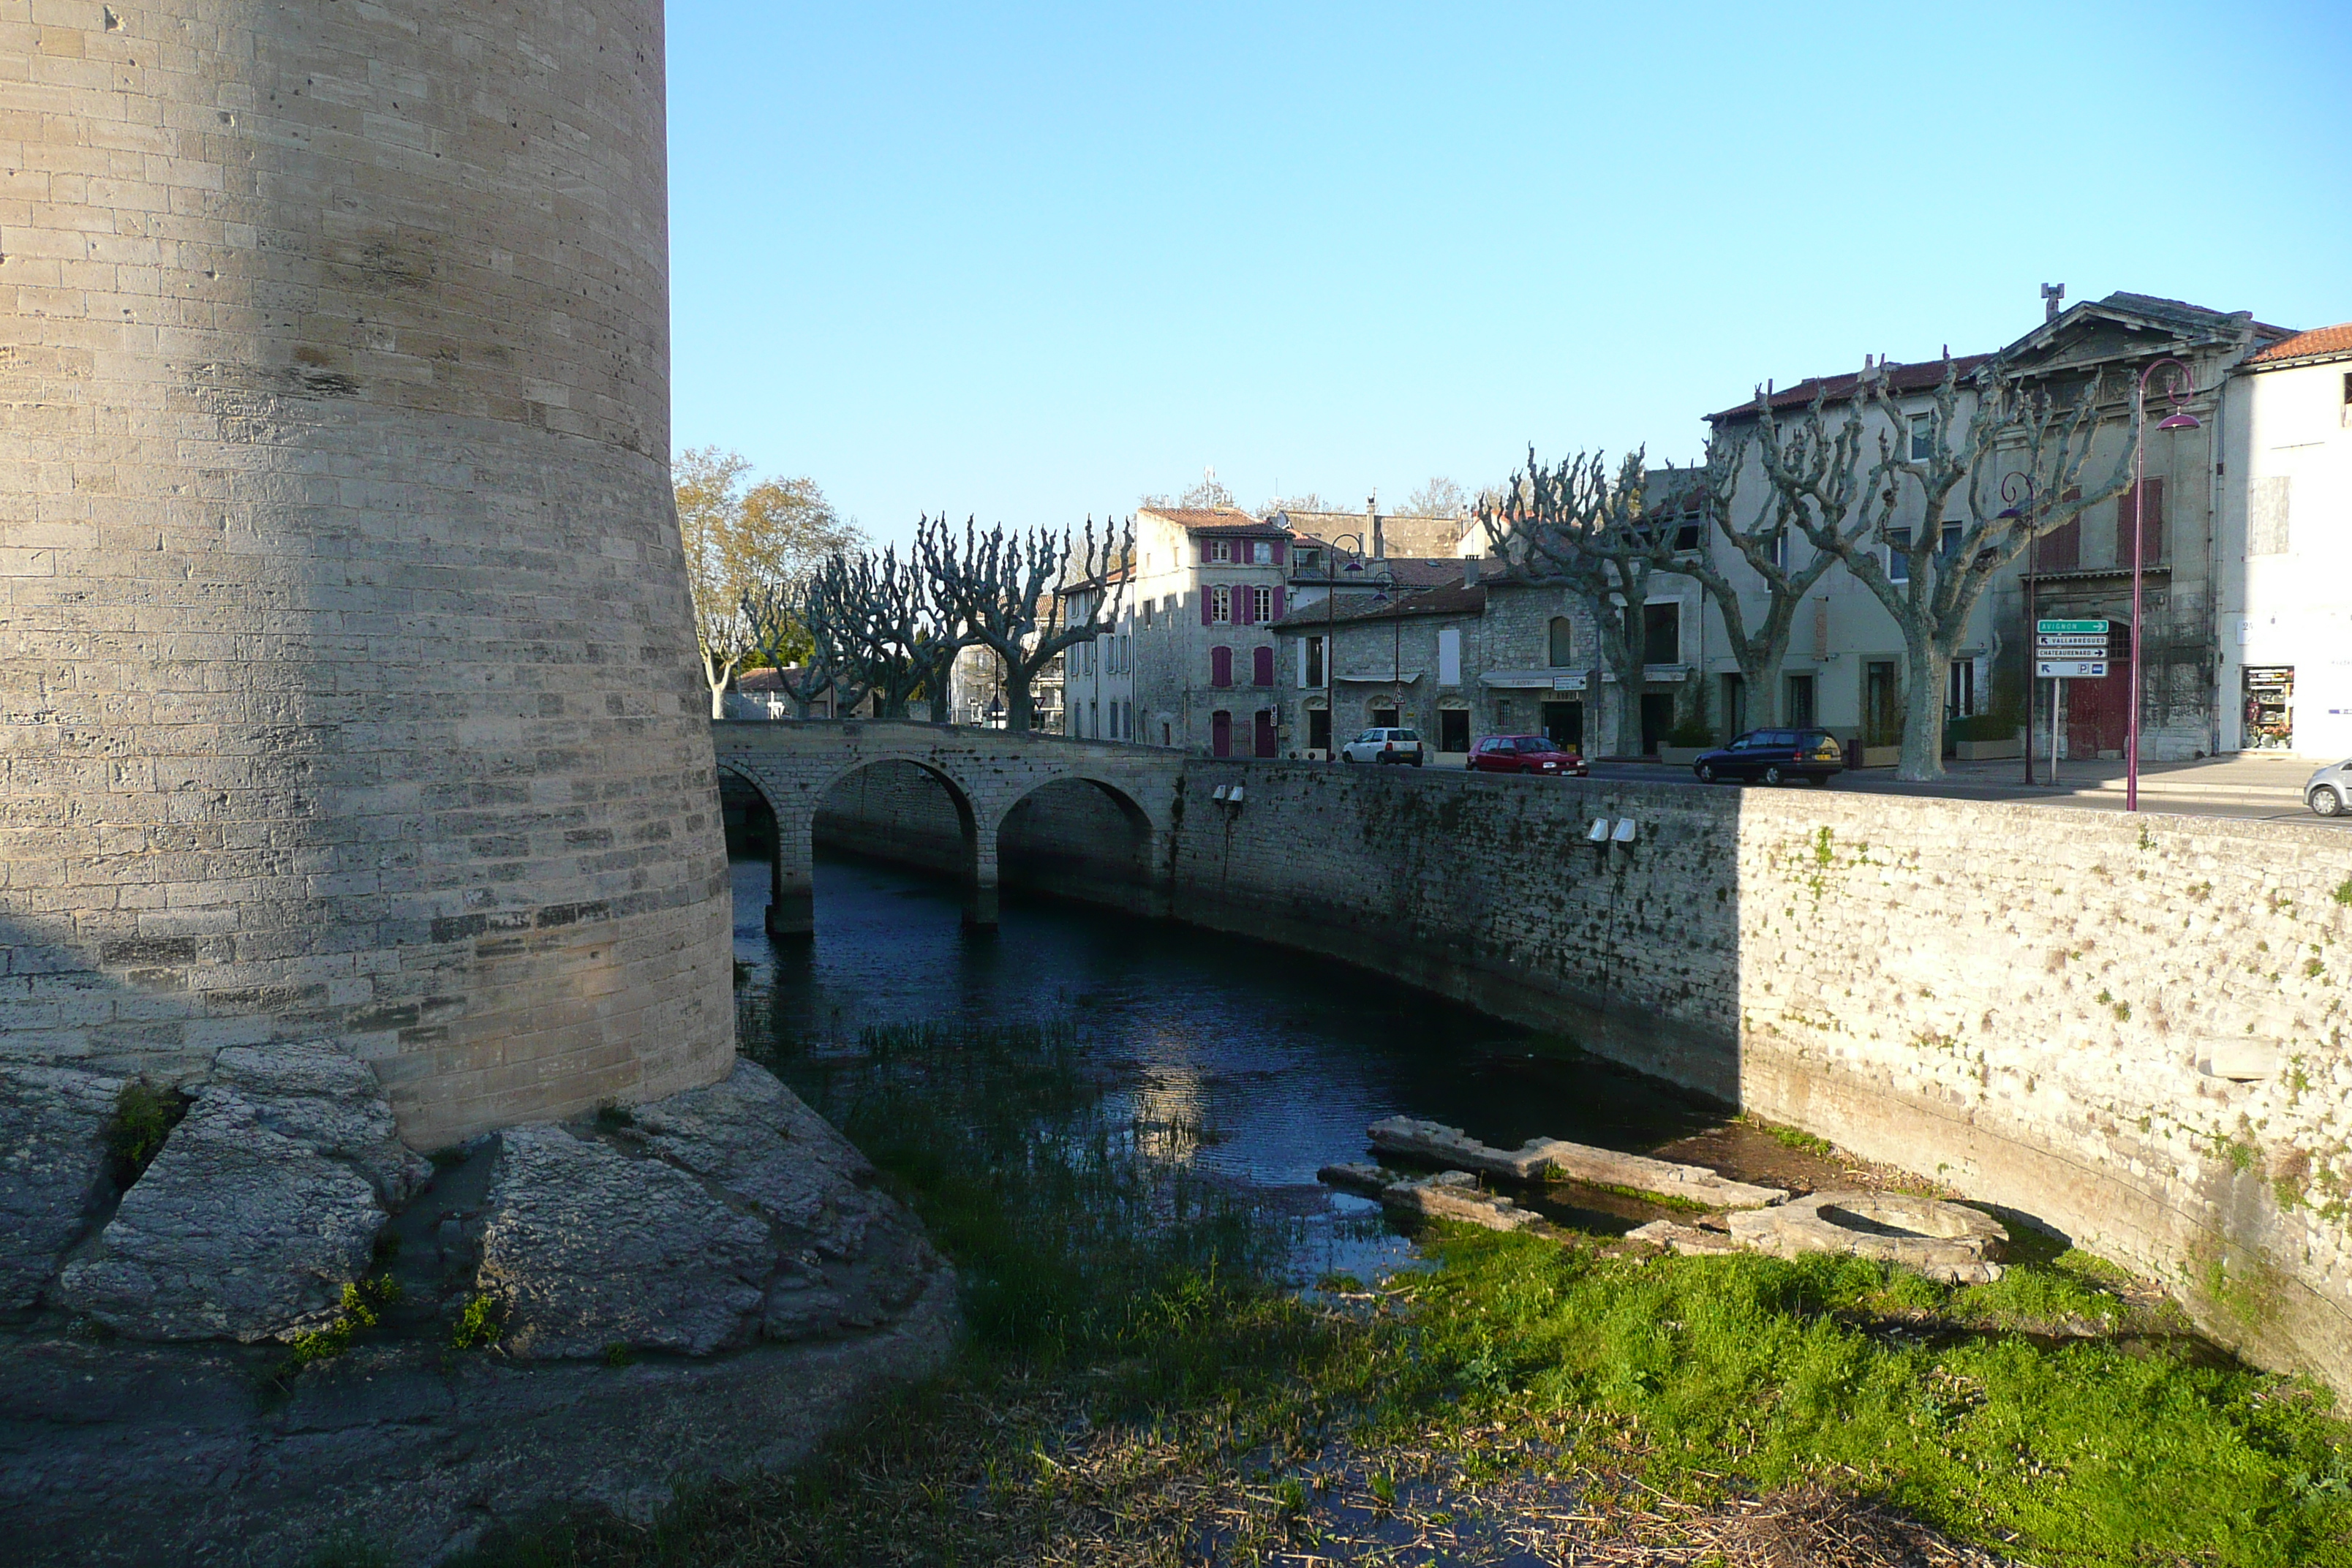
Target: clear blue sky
<point x="1033" y="262"/>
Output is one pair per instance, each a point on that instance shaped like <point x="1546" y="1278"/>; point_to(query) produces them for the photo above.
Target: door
<point x="1264" y="735"/>
<point x="1882" y="704"/>
<point x="1454" y="729"/>
<point x="1564" y="723"/>
<point x="1384" y="718"/>
<point x="1657" y="717"/>
<point x="2097" y="719"/>
<point x="1318" y="729"/>
<point x="1221" y="733"/>
<point x="1800" y="702"/>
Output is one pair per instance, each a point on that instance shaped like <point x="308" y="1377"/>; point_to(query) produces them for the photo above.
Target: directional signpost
<point x="2065" y="651"/>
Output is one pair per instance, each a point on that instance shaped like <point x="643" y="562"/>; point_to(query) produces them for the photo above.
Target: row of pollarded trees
<point x="1852" y="499"/>
<point x="780" y="581"/>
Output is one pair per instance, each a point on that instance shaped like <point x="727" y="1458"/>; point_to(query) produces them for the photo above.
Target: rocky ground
<point x="277" y="1328"/>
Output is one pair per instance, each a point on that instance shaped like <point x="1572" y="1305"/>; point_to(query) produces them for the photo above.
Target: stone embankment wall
<point x="347" y="676"/>
<point x="2131" y="1030"/>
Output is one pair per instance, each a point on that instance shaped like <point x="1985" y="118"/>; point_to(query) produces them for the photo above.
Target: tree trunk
<point x="1923" y="715"/>
<point x="719" y="700"/>
<point x="1020" y="708"/>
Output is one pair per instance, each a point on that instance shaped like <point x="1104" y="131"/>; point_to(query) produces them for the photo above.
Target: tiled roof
<point x="1217" y="520"/>
<point x="1454" y="601"/>
<point x="2321" y="342"/>
<point x="1921" y="377"/>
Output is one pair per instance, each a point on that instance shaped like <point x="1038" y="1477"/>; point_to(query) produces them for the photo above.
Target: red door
<point x="1221" y="733"/>
<point x="2099" y="712"/>
<point x="1266" y="732"/>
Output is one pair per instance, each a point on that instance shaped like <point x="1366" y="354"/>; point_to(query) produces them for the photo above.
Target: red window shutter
<point x="1262" y="666"/>
<point x="1207" y="553"/>
<point x="1278" y="592"/>
<point x="1280" y="546"/>
<point x="1220" y="666"/>
<point x="2060" y="549"/>
<point x="2129" y="511"/>
<point x="1205" y="597"/>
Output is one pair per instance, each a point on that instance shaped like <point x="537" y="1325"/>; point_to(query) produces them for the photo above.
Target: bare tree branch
<point x="1016" y="594"/>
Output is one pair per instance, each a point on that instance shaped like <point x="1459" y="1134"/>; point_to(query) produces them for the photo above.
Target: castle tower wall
<point x="346" y="660"/>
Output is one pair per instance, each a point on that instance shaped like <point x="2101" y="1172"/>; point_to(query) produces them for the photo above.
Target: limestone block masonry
<point x="2130" y="1029"/>
<point x="346" y="669"/>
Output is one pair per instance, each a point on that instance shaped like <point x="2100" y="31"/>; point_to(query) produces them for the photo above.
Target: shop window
<point x="1662" y="633"/>
<point x="1563" y="642"/>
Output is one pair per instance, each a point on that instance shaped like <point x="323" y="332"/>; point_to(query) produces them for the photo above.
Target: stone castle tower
<point x="346" y="661"/>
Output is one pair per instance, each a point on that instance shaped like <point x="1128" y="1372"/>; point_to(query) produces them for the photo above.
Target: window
<point x="1221" y="607"/>
<point x="1220" y="666"/>
<point x="1799" y="699"/>
<point x="1262" y="601"/>
<point x="1923" y="436"/>
<point x="1147" y="612"/>
<point x="1262" y="667"/>
<point x="1502" y="712"/>
<point x="2151" y="533"/>
<point x="1384" y="718"/>
<point x="1308" y="560"/>
<point x="1951" y="543"/>
<point x="1168" y="606"/>
<point x="1262" y="553"/>
<point x="1563" y="642"/>
<point x="1898" y="556"/>
<point x="1313" y="676"/>
<point x="1221" y="550"/>
<point x="1662" y="633"/>
<point x="1960" y="690"/>
<point x="1126" y="661"/>
<point x="1777" y="549"/>
<point x="1686" y="536"/>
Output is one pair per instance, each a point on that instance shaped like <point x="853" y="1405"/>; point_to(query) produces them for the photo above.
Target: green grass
<point x="144" y="1115"/>
<point x="1134" y="1381"/>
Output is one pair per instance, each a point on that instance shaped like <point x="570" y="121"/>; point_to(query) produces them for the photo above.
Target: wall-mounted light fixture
<point x="1235" y="798"/>
<point x="1218" y="793"/>
<point x="1624" y="833"/>
<point x="1600" y="832"/>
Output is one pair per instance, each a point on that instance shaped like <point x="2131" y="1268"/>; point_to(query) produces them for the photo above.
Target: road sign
<point x="2072" y="639"/>
<point x="2071" y="669"/>
<point x="2070" y="628"/>
<point x="2070" y="648"/>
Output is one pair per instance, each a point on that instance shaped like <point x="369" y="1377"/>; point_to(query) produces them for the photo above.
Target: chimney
<point x="1469" y="571"/>
<point x="2051" y="294"/>
<point x="1372" y="511"/>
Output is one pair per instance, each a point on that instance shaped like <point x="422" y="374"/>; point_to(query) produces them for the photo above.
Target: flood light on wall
<point x="1624" y="833"/>
<point x="1218" y="793"/>
<point x="1235" y="798"/>
<point x="1600" y="833"/>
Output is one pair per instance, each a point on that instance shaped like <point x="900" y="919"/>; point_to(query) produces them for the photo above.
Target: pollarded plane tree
<point x="808" y="631"/>
<point x="1574" y="526"/>
<point x="1019" y="594"/>
<point x="902" y="634"/>
<point x="1931" y="501"/>
<point x="1763" y="540"/>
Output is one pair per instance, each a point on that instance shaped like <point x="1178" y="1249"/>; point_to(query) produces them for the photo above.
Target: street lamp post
<point x="2177" y="388"/>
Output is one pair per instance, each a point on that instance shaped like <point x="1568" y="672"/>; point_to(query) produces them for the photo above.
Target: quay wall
<point x="2129" y="1030"/>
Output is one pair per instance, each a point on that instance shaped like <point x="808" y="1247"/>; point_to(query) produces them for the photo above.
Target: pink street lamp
<point x="2177" y="388"/>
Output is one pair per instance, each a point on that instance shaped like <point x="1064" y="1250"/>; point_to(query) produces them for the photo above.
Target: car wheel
<point x="1347" y="756"/>
<point x="1706" y="772"/>
<point x="1772" y="774"/>
<point x="2327" y="802"/>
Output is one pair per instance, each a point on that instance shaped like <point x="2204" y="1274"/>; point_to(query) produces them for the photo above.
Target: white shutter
<point x="1449" y="656"/>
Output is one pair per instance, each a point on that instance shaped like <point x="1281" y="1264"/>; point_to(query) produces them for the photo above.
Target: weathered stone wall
<point x="346" y="682"/>
<point x="2051" y="1010"/>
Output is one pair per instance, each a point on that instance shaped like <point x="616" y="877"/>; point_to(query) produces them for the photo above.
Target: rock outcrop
<point x="236" y="1230"/>
<point x="698" y="1222"/>
<point x="53" y="1170"/>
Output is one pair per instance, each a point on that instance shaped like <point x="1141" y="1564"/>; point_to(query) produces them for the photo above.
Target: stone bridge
<point x="986" y="773"/>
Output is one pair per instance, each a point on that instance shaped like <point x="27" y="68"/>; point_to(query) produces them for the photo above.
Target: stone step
<point x="1575" y="1162"/>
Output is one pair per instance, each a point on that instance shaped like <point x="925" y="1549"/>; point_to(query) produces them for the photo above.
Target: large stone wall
<point x="346" y="669"/>
<point x="2132" y="1030"/>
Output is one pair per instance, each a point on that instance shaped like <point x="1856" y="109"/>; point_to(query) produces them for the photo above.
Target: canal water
<point x="1281" y="1060"/>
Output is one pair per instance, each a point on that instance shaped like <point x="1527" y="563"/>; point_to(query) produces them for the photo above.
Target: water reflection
<point x="1251" y="1064"/>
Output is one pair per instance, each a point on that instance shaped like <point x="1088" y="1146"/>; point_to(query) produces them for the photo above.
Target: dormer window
<point x="1312" y="560"/>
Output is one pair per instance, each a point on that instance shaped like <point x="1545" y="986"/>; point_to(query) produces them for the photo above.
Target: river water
<point x="1279" y="1057"/>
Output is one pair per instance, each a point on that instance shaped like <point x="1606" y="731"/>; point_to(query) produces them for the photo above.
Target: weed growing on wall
<point x="144" y="1115"/>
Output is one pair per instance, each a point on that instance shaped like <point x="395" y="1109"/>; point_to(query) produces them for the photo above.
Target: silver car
<point x="2329" y="791"/>
<point x="1384" y="745"/>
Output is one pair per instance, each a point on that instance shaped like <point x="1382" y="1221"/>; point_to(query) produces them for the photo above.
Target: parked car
<point x="1774" y="757"/>
<point x="1383" y="746"/>
<point x="1525" y="754"/>
<point x="2329" y="791"/>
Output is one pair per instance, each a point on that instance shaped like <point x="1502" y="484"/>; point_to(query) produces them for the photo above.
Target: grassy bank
<point x="1138" y="1388"/>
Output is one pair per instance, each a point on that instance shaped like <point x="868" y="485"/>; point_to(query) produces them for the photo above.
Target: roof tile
<point x="2320" y="342"/>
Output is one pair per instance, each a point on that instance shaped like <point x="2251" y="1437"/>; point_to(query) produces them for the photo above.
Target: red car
<point x="1525" y="754"/>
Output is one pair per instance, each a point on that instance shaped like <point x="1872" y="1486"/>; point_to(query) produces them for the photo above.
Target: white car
<point x="1383" y="746"/>
<point x="2329" y="791"/>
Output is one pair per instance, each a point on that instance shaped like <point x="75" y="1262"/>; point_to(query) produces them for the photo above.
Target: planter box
<point x="1880" y="756"/>
<point x="1988" y="750"/>
<point x="1682" y="756"/>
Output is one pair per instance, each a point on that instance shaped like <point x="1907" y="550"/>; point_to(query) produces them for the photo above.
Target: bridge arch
<point x="1082" y="835"/>
<point x="989" y="779"/>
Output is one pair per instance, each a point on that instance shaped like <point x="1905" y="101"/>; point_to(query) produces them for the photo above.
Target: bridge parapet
<point x="987" y="773"/>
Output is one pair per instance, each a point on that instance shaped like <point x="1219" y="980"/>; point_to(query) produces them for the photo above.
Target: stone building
<point x="1208" y="585"/>
<point x="1453" y="662"/>
<point x="1845" y="666"/>
<point x="2285" y="594"/>
<point x="349" y="668"/>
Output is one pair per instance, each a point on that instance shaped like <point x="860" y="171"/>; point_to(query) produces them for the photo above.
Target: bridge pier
<point x="792" y="889"/>
<point x="980" y="890"/>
